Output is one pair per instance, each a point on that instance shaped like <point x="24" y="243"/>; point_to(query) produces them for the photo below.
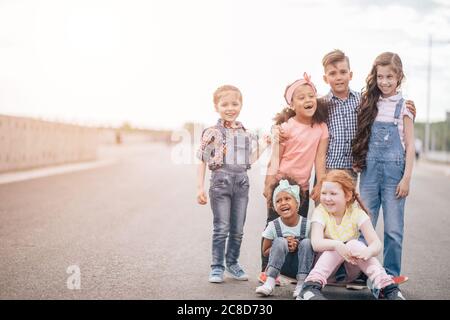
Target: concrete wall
<point x="28" y="143"/>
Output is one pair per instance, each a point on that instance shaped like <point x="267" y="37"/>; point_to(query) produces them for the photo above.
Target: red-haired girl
<point x="335" y="228"/>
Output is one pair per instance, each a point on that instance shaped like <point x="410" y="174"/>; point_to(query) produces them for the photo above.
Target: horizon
<point x="131" y="126"/>
<point x="109" y="62"/>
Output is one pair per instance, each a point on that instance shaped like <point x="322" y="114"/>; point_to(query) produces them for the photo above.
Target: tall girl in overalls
<point x="384" y="150"/>
<point x="227" y="150"/>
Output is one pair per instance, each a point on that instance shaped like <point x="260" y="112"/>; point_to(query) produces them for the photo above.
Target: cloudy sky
<point x="156" y="63"/>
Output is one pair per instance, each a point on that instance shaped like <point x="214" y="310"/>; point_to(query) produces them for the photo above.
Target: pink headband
<point x="291" y="88"/>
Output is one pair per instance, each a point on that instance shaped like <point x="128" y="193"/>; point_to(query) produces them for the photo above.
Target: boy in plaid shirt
<point x="343" y="111"/>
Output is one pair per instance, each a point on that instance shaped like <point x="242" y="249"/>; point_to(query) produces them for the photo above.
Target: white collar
<point x="394" y="98"/>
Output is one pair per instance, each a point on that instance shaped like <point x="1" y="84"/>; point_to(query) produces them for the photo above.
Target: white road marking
<point x="51" y="171"/>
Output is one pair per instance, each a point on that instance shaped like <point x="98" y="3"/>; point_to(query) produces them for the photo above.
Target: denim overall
<point x="384" y="169"/>
<point x="288" y="263"/>
<point x="229" y="187"/>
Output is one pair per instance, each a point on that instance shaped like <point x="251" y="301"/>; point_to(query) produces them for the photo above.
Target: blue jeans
<point x="378" y="185"/>
<point x="385" y="166"/>
<point x="292" y="264"/>
<point x="229" y="198"/>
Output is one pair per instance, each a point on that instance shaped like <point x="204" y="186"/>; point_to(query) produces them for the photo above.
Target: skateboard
<point x="400" y="279"/>
<point x="360" y="286"/>
<point x="350" y="285"/>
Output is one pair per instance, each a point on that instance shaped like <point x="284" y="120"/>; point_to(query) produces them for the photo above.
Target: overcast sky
<point x="157" y="63"/>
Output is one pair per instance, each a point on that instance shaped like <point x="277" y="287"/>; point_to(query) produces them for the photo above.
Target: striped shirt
<point x="386" y="111"/>
<point x="342" y="123"/>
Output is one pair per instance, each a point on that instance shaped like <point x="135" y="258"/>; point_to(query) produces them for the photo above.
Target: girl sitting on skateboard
<point x="286" y="240"/>
<point x="335" y="228"/>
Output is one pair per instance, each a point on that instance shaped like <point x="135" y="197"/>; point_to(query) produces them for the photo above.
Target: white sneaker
<point x="216" y="275"/>
<point x="264" y="290"/>
<point x="311" y="291"/>
<point x="236" y="272"/>
<point x="297" y="290"/>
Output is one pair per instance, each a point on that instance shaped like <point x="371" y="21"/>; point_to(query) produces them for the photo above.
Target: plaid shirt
<point x="342" y="123"/>
<point x="213" y="149"/>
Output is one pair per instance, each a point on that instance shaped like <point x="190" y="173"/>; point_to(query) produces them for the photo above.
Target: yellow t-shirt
<point x="349" y="227"/>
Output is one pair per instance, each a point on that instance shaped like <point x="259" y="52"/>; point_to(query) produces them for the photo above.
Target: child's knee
<point x="355" y="244"/>
<point x="280" y="243"/>
<point x="306" y="243"/>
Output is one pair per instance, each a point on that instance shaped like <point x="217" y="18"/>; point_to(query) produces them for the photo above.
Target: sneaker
<point x="362" y="279"/>
<point x="236" y="272"/>
<point x="216" y="275"/>
<point x="400" y="279"/>
<point x="311" y="291"/>
<point x="298" y="289"/>
<point x="264" y="290"/>
<point x="391" y="292"/>
<point x="263" y="277"/>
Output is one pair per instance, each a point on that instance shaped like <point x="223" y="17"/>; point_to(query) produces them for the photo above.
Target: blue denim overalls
<point x="229" y="187"/>
<point x="385" y="166"/>
<point x="292" y="264"/>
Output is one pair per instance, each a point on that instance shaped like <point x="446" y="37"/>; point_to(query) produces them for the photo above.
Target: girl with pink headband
<point x="303" y="121"/>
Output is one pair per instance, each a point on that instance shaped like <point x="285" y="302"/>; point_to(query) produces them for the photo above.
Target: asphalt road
<point x="132" y="230"/>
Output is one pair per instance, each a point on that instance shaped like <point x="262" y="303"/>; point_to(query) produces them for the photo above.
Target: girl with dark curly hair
<point x="303" y="122"/>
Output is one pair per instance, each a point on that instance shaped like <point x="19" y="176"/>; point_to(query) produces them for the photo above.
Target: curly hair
<point x="291" y="182"/>
<point x="321" y="114"/>
<point x="369" y="109"/>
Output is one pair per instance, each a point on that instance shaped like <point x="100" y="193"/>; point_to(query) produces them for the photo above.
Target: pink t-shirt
<point x="300" y="150"/>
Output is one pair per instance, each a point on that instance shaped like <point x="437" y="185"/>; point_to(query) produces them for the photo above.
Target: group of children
<point x="341" y="135"/>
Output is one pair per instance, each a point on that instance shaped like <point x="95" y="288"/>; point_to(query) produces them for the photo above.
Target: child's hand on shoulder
<point x="411" y="107"/>
<point x="267" y="192"/>
<point x="402" y="188"/>
<point x="265" y="140"/>
<point x="275" y="134"/>
<point x="201" y="197"/>
<point x="278" y="134"/>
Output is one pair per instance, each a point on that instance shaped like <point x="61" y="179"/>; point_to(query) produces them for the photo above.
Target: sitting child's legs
<point x="371" y="267"/>
<point x="305" y="259"/>
<point x="277" y="256"/>
<point x="271" y="215"/>
<point x="305" y="256"/>
<point x="327" y="263"/>
<point x="278" y="253"/>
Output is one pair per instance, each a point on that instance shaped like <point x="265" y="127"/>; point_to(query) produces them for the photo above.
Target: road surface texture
<point x="132" y="229"/>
